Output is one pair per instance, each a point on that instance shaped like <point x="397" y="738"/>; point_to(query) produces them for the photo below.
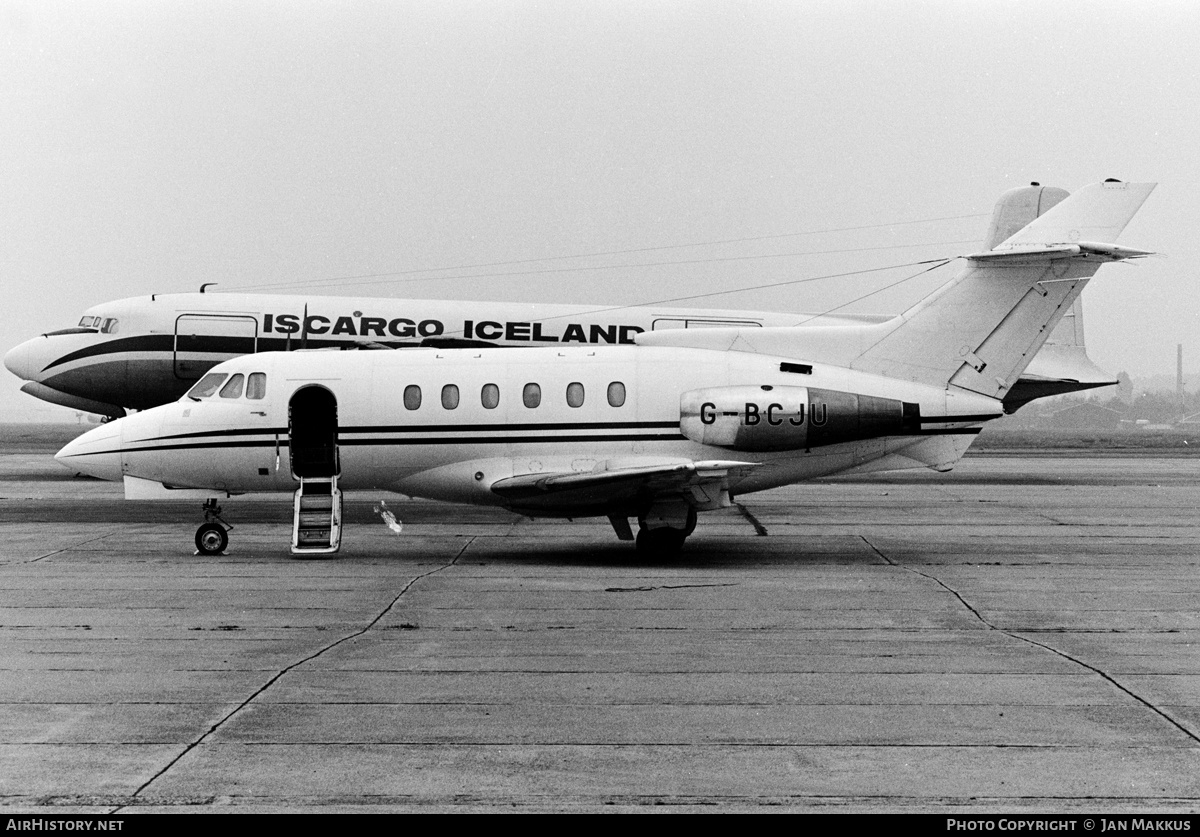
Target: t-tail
<point x="979" y="331"/>
<point x="982" y="329"/>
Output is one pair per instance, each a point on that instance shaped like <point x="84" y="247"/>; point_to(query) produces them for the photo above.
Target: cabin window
<point x="531" y="396"/>
<point x="233" y="389"/>
<point x="256" y="385"/>
<point x="110" y="326"/>
<point x="450" y="397"/>
<point x="412" y="397"/>
<point x="490" y="396"/>
<point x="575" y="394"/>
<point x="206" y="386"/>
<point x="616" y="394"/>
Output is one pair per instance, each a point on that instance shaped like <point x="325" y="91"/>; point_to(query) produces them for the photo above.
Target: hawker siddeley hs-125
<point x="678" y="423"/>
<point x="140" y="352"/>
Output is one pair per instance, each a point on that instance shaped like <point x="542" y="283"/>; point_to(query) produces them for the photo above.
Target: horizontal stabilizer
<point x="1032" y="253"/>
<point x="1097" y="212"/>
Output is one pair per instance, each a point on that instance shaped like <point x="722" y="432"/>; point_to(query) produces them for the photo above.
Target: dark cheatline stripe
<point x="565" y="425"/>
<point x="442" y="428"/>
<point x="142" y="343"/>
<point x="955" y="419"/>
<point x="454" y="440"/>
<point x="215" y="345"/>
<point x="458" y="440"/>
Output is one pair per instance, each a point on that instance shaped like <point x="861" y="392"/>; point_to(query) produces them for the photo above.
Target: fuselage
<point x="142" y="352"/>
<point x="145" y="351"/>
<point x="448" y="424"/>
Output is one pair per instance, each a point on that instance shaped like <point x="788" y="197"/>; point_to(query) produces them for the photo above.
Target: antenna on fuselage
<point x="206" y="284"/>
<point x="304" y="329"/>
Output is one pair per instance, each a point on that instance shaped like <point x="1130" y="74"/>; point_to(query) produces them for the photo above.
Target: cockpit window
<point x="206" y="386"/>
<point x="90" y="322"/>
<point x="233" y="389"/>
<point x="256" y="386"/>
<point x="109" y="326"/>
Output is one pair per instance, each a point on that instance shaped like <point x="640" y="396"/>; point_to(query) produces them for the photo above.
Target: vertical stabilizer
<point x="981" y="330"/>
<point x="1017" y="208"/>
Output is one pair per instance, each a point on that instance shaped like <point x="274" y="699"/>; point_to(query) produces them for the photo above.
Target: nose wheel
<point x="213" y="536"/>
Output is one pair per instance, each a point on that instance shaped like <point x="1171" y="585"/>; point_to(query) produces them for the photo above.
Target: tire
<point x="211" y="539"/>
<point x="660" y="543"/>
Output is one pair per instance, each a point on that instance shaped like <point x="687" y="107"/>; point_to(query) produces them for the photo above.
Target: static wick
<point x="389" y="519"/>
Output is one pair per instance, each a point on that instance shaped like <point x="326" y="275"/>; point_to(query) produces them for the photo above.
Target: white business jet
<point x="140" y="352"/>
<point x="679" y="423"/>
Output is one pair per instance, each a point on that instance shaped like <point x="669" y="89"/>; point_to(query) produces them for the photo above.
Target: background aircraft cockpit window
<point x="412" y="397"/>
<point x="575" y="394"/>
<point x="449" y="397"/>
<point x="109" y="326"/>
<point x="233" y="389"/>
<point x="531" y="396"/>
<point x="256" y="386"/>
<point x="490" y="396"/>
<point x="616" y="394"/>
<point x="206" y="386"/>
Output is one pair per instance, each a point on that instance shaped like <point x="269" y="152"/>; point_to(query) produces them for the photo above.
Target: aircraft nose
<point x="96" y="453"/>
<point x="25" y="361"/>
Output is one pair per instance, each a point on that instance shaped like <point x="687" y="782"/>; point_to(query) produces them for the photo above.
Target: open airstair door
<point x="317" y="509"/>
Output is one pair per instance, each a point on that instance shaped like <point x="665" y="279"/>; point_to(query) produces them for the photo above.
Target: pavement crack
<point x="759" y="529"/>
<point x="68" y="548"/>
<point x="279" y="674"/>
<point x="1162" y="713"/>
<point x="1045" y="647"/>
<point x="882" y="557"/>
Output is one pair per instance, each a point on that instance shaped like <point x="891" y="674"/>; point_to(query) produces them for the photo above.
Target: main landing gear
<point x="663" y="531"/>
<point x="213" y="536"/>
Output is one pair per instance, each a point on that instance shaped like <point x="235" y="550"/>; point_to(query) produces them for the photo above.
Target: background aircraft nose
<point x="96" y="453"/>
<point x="25" y="361"/>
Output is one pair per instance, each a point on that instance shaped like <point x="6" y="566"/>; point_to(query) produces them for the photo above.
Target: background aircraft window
<point x="450" y="397"/>
<point x="575" y="394"/>
<point x="256" y="387"/>
<point x="616" y="394"/>
<point x="110" y="326"/>
<point x="207" y="385"/>
<point x="412" y="397"/>
<point x="233" y="389"/>
<point x="531" y="395"/>
<point x="490" y="396"/>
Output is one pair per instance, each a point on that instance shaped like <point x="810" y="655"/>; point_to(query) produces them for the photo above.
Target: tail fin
<point x="981" y="330"/>
<point x="1017" y="208"/>
<point x="1061" y="366"/>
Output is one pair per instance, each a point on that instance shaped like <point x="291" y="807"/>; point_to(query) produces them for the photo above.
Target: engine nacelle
<point x="765" y="418"/>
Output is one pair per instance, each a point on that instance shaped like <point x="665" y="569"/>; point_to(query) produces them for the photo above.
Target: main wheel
<point x="211" y="539"/>
<point x="663" y="542"/>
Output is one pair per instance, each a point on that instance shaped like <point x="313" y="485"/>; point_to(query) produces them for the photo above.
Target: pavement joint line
<point x="1045" y="647"/>
<point x="876" y="550"/>
<point x="759" y="529"/>
<point x="60" y="551"/>
<point x="1122" y="687"/>
<point x="279" y="674"/>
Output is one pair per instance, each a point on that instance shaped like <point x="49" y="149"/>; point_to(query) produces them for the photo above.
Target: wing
<point x="619" y="486"/>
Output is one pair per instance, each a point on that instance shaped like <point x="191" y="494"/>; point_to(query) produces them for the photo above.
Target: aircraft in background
<point x="142" y="352"/>
<point x="680" y="422"/>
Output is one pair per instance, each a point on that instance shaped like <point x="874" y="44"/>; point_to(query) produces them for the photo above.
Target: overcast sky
<point x="152" y="146"/>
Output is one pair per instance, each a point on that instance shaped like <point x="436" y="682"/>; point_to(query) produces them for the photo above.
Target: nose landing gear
<point x="213" y="536"/>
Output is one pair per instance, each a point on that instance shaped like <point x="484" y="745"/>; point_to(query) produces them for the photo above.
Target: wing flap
<point x="606" y="484"/>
